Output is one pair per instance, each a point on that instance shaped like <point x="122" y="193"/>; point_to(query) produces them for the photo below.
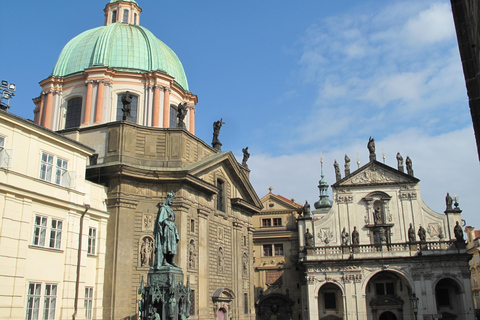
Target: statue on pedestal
<point x="165" y="233"/>
<point x="181" y="113"/>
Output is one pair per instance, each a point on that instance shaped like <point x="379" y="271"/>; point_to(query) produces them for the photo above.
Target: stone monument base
<point x="165" y="297"/>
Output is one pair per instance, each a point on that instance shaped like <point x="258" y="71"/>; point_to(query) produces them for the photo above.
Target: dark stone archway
<point x="274" y="304"/>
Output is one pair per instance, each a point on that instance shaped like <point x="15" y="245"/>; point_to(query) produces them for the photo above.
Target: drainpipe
<point x="79" y="258"/>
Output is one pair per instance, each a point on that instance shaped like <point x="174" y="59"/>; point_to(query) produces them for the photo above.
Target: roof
<point x="119" y="46"/>
<point x="113" y="1"/>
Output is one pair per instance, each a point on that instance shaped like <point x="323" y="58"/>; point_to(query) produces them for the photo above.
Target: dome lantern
<point x="122" y="11"/>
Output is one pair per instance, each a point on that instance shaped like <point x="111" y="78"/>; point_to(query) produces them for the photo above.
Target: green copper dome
<point x="123" y="47"/>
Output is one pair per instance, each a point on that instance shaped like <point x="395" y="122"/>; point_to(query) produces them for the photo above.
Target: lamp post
<point x="6" y="92"/>
<point x="414" y="301"/>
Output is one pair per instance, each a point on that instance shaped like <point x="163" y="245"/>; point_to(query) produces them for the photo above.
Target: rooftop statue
<point x="347" y="165"/>
<point x="217" y="125"/>
<point x="408" y="162"/>
<point x="127" y="105"/>
<point x="448" y="201"/>
<point x="181" y="113"/>
<point x="371" y="148"/>
<point x="400" y="162"/>
<point x="457" y="230"/>
<point x="338" y="175"/>
<point x="165" y="233"/>
<point x="246" y="155"/>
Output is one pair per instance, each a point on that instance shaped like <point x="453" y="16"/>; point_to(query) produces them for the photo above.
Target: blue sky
<point x="294" y="81"/>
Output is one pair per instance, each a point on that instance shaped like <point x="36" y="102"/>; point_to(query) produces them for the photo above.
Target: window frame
<point x="266" y="223"/>
<point x="32" y="309"/>
<point x="43" y="226"/>
<point x="48" y="310"/>
<point x="273" y="250"/>
<point x="39" y="229"/>
<point x="73" y="113"/>
<point x="92" y="241"/>
<point x="221" y="195"/>
<point x="88" y="302"/>
<point x="55" y="241"/>
<point x="276" y="222"/>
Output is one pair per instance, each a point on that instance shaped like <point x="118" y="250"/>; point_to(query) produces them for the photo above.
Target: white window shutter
<point x="70" y="179"/>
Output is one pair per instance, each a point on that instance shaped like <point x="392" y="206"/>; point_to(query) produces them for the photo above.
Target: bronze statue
<point x="217" y="125"/>
<point x="127" y="105"/>
<point x="165" y="233"/>
<point x="246" y="155"/>
<point x="181" y="113"/>
<point x="457" y="230"/>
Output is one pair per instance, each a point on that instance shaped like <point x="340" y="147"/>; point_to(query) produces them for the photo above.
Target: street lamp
<point x="414" y="301"/>
<point x="7" y="91"/>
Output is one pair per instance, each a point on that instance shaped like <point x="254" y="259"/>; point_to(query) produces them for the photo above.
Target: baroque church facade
<point x="124" y="93"/>
<point x="378" y="252"/>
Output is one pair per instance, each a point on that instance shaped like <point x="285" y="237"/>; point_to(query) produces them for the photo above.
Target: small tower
<point x="122" y="11"/>
<point x="324" y="202"/>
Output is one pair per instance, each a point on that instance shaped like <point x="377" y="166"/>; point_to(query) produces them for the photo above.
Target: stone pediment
<point x="375" y="173"/>
<point x="273" y="202"/>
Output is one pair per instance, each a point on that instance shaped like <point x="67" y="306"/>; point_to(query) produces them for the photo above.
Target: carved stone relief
<point x="375" y="175"/>
<point x="146" y="251"/>
<point x="147" y="222"/>
<point x="325" y="235"/>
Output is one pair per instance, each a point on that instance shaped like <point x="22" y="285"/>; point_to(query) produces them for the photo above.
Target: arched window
<point x="221" y="195"/>
<point x="173" y="117"/>
<point x="74" y="113"/>
<point x="114" y="16"/>
<point x="125" y="16"/>
<point x="133" y="108"/>
<point x="135" y="18"/>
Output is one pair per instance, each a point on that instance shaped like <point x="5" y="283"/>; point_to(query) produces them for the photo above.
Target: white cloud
<point x="443" y="163"/>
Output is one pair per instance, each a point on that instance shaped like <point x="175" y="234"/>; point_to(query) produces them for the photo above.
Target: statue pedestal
<point x="165" y="297"/>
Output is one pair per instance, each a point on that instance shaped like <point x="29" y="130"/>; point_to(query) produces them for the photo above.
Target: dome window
<point x="125" y="16"/>
<point x="74" y="113"/>
<point x="135" y="18"/>
<point x="114" y="16"/>
<point x="173" y="117"/>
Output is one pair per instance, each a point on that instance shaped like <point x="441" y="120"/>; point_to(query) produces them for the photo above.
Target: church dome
<point x="119" y="46"/>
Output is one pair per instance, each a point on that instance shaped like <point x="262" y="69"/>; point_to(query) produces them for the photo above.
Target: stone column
<point x="47" y="115"/>
<point x="99" y="102"/>
<point x="88" y="103"/>
<point x="192" y="119"/>
<point x="203" y="268"/>
<point x="41" y="110"/>
<point x="156" y="106"/>
<point x="166" y="108"/>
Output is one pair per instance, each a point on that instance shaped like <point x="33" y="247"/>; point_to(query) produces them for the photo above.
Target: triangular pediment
<point x="273" y="202"/>
<point x="227" y="164"/>
<point x="375" y="173"/>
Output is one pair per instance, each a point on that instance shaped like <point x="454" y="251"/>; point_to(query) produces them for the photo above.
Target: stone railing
<point x="384" y="250"/>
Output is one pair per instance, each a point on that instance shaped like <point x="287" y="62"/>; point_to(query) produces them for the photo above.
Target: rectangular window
<point x="278" y="249"/>
<point x="277" y="222"/>
<point x="49" y="301"/>
<point x="56" y="234"/>
<point x="61" y="172"/>
<point x="88" y="304"/>
<point x="192" y="302"/>
<point x="192" y="226"/>
<point x="220" y="196"/>
<point x="125" y="16"/>
<point x="330" y="300"/>
<point x="46" y="167"/>
<point x="267" y="250"/>
<point x="266" y="223"/>
<point x="92" y="239"/>
<point x="5" y="154"/>
<point x="245" y="303"/>
<point x="114" y="16"/>
<point x="380" y="289"/>
<point x="39" y="231"/>
<point x="33" y="300"/>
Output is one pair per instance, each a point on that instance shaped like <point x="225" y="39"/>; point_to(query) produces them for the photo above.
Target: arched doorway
<point x="449" y="298"/>
<point x="330" y="302"/>
<point x="388" y="296"/>
<point x="274" y="306"/>
<point x="387" y="315"/>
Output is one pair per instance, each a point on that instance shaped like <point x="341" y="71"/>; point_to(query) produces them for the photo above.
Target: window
<point x="74" y="113"/>
<point x="125" y="16"/>
<point x="50" y="300"/>
<point x="267" y="250"/>
<point x="277" y="222"/>
<point x="114" y="16"/>
<point x="173" y="117"/>
<point x="245" y="303"/>
<point x="277" y="250"/>
<point x="5" y="154"/>
<point x="192" y="302"/>
<point x="33" y="300"/>
<point x="134" y="18"/>
<point x="220" y="196"/>
<point x="62" y="176"/>
<point x="40" y="232"/>
<point x="329" y="300"/>
<point x="88" y="302"/>
<point x="56" y="234"/>
<point x="192" y="226"/>
<point x="92" y="238"/>
<point x="133" y="108"/>
<point x="385" y="288"/>
<point x="266" y="223"/>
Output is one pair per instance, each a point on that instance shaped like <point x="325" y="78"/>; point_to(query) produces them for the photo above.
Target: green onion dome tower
<point x="99" y="66"/>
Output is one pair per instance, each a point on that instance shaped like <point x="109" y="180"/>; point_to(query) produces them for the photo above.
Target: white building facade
<point x="381" y="253"/>
<point x="52" y="226"/>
